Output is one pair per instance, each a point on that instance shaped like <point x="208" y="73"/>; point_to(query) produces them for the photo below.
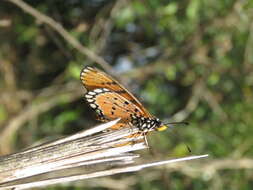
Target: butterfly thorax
<point x="145" y="124"/>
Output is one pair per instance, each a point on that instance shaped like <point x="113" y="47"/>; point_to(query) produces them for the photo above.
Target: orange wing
<point x="93" y="79"/>
<point x="110" y="105"/>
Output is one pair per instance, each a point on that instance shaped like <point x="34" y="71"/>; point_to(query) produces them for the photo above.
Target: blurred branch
<point x="58" y="28"/>
<point x="248" y="58"/>
<point x="5" y="22"/>
<point x="8" y="94"/>
<point x="213" y="103"/>
<point x="206" y="170"/>
<point x="104" y="27"/>
<point x="210" y="168"/>
<point x="191" y="104"/>
<point x="7" y="70"/>
<point x="58" y="42"/>
<point x="23" y="95"/>
<point x="200" y="92"/>
<point x="34" y="109"/>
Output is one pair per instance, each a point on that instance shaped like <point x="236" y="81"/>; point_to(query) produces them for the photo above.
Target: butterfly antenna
<point x="188" y="147"/>
<point x="176" y="134"/>
<point x="146" y="140"/>
<point x="178" y="123"/>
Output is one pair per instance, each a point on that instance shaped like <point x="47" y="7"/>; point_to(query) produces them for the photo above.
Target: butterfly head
<point x="162" y="127"/>
<point x="148" y="124"/>
<point x="158" y="125"/>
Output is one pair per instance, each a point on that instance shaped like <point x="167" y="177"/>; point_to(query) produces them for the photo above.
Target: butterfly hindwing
<point x="110" y="105"/>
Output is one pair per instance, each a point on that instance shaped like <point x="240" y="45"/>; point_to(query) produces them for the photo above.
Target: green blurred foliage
<point x="171" y="47"/>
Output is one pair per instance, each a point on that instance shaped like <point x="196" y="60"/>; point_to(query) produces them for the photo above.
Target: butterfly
<point x="110" y="100"/>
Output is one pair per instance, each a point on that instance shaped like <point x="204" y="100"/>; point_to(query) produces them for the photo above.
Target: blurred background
<point x="184" y="60"/>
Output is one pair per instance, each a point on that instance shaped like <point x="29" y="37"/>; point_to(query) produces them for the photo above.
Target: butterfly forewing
<point x="94" y="79"/>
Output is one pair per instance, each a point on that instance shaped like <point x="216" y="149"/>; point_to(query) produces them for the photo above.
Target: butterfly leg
<point x="145" y="138"/>
<point x="132" y="142"/>
<point x="135" y="135"/>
